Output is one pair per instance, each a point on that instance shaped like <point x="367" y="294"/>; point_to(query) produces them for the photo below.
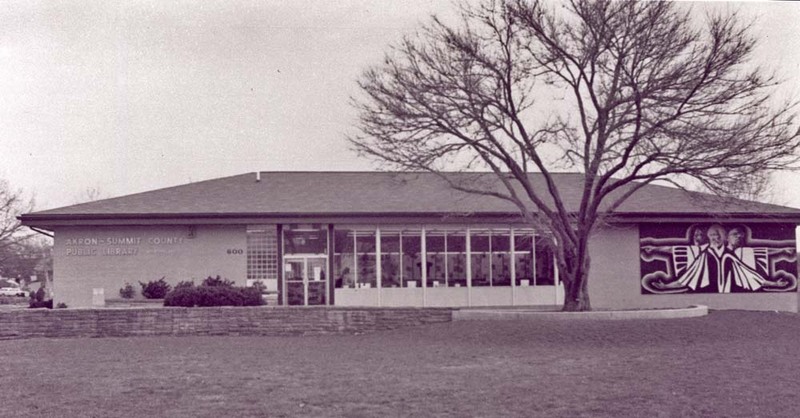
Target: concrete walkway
<point x="533" y="313"/>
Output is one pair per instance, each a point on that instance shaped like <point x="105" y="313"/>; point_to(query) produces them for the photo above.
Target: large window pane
<point x="412" y="249"/>
<point x="305" y="240"/>
<point x="523" y="254"/>
<point x="545" y="266"/>
<point x="456" y="258"/>
<point x="434" y="245"/>
<point x="501" y="258"/>
<point x="390" y="259"/>
<point x="481" y="258"/>
<point x="365" y="262"/>
<point x="343" y="259"/>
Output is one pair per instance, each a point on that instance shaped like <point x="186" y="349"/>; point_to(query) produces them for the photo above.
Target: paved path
<point x="531" y="313"/>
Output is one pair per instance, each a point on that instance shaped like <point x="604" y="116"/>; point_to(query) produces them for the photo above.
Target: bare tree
<point x="12" y="233"/>
<point x="644" y="94"/>
<point x="22" y="260"/>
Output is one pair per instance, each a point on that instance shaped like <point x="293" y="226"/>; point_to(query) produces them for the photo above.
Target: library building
<point x="399" y="239"/>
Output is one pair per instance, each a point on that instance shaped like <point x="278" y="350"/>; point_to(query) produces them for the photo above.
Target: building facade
<point x="402" y="239"/>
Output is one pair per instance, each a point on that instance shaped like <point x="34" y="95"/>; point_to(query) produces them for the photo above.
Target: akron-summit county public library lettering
<point x="407" y="239"/>
<point x="113" y="245"/>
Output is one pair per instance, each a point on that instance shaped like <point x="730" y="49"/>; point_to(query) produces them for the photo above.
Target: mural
<point x="717" y="258"/>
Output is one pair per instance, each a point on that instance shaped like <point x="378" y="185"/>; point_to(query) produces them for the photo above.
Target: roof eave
<point x="50" y="220"/>
<point x="633" y="217"/>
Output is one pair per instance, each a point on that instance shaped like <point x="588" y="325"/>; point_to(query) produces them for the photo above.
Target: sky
<point x="129" y="96"/>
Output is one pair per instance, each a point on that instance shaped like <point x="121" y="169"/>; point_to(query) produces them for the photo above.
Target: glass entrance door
<point x="306" y="280"/>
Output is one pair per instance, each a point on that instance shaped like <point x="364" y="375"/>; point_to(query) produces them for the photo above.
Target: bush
<point x="260" y="286"/>
<point x="213" y="295"/>
<point x="127" y="291"/>
<point x="184" y="284"/>
<point x="61" y="305"/>
<point x="37" y="304"/>
<point x="181" y="296"/>
<point x="155" y="289"/>
<point x="251" y="296"/>
<point x="217" y="281"/>
<point x="39" y="295"/>
<point x="219" y="296"/>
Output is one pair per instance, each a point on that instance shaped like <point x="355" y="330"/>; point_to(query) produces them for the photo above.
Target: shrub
<point x="37" y="304"/>
<point x="39" y="295"/>
<point x="217" y="281"/>
<point x="219" y="296"/>
<point x="184" y="284"/>
<point x="155" y="289"/>
<point x="181" y="296"/>
<point x="252" y="296"/>
<point x="127" y="291"/>
<point x="213" y="295"/>
<point x="61" y="305"/>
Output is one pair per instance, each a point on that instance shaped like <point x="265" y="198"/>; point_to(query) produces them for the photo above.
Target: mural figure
<point x="706" y="269"/>
<point x="684" y="256"/>
<point x="717" y="261"/>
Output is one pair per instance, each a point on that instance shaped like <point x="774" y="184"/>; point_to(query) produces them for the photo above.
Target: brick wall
<point x="266" y="321"/>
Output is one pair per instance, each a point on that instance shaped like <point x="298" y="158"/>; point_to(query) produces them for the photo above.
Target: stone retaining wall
<point x="266" y="321"/>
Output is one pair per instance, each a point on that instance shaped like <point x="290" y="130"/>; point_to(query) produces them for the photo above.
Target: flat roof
<point x="378" y="194"/>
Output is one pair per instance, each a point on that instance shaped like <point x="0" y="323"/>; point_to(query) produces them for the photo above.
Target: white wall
<point x="87" y="258"/>
<point x="451" y="296"/>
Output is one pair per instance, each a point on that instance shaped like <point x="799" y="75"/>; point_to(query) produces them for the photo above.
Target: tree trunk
<point x="576" y="285"/>
<point x="576" y="298"/>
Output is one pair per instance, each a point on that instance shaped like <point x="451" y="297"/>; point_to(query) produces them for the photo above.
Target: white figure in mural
<point x="706" y="270"/>
<point x="745" y="268"/>
<point x="755" y="258"/>
<point x="684" y="256"/>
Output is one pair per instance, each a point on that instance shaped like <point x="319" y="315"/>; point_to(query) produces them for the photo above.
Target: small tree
<point x="155" y="289"/>
<point x="644" y="96"/>
<point x="13" y="237"/>
<point x="27" y="257"/>
<point x="217" y="281"/>
<point x="127" y="291"/>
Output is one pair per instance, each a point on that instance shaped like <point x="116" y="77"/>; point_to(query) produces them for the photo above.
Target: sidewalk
<point x="551" y="313"/>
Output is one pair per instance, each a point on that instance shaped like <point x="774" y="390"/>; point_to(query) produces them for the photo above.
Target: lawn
<point x="726" y="364"/>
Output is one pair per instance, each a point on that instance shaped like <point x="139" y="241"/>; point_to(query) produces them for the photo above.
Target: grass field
<point x="727" y="364"/>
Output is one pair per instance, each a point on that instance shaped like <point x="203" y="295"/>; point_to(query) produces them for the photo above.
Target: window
<point x="523" y="258"/>
<point x="435" y="255"/>
<point x="390" y="259"/>
<point x="481" y="251"/>
<point x="356" y="255"/>
<point x="545" y="263"/>
<point x="412" y="256"/>
<point x="344" y="259"/>
<point x="305" y="239"/>
<point x="365" y="259"/>
<point x="355" y="258"/>
<point x="262" y="255"/>
<point x="457" y="258"/>
<point x="501" y="258"/>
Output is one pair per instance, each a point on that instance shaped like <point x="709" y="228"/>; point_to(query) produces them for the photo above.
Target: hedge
<point x="189" y="296"/>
